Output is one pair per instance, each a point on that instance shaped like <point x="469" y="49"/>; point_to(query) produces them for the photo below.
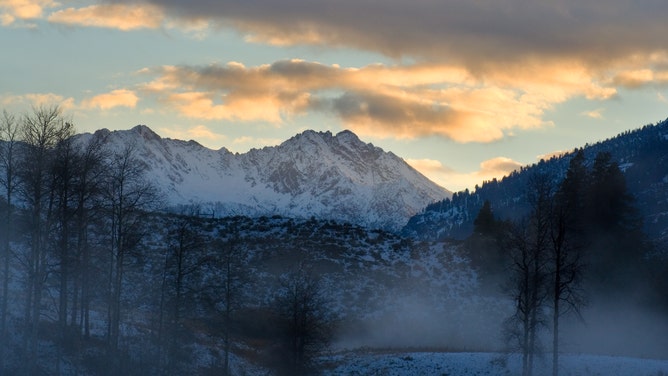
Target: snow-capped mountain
<point x="312" y="174"/>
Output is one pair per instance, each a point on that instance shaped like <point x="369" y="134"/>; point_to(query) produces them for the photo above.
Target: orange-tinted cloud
<point x="19" y="13"/>
<point x="594" y="114"/>
<point x="116" y="16"/>
<point x="115" y="98"/>
<point x="244" y="143"/>
<point x="456" y="181"/>
<point x="498" y="166"/>
<point x="128" y="17"/>
<point x="26" y="9"/>
<point x="38" y="100"/>
<point x="202" y="105"/>
<point x="376" y="100"/>
<point x="200" y="133"/>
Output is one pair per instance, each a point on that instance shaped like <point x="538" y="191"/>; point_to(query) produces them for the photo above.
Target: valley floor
<point x="479" y="364"/>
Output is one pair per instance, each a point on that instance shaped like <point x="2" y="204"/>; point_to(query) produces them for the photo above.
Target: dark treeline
<point x="93" y="281"/>
<point x="580" y="242"/>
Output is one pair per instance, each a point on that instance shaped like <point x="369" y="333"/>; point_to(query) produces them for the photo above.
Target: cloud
<point x="26" y="9"/>
<point x="115" y="98"/>
<point x="246" y="142"/>
<point x="661" y="98"/>
<point x="38" y="100"/>
<point x="6" y="19"/>
<point x="499" y="165"/>
<point x="128" y="17"/>
<point x="479" y="70"/>
<point x="106" y="101"/>
<point x="456" y="181"/>
<point x="464" y="31"/>
<point x="427" y="165"/>
<point x="200" y="133"/>
<point x="594" y="114"/>
<point x="203" y="105"/>
<point x="12" y="11"/>
<point x="376" y="100"/>
<point x="115" y="16"/>
<point x="554" y="154"/>
<point x="638" y="78"/>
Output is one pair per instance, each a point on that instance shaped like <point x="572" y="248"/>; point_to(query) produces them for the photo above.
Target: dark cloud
<point x="465" y="31"/>
<point x="369" y="107"/>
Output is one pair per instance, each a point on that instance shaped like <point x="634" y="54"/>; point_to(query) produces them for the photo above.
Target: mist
<point x="416" y="322"/>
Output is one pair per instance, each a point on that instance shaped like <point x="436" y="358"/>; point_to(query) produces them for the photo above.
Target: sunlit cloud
<point x="594" y="114"/>
<point x="127" y="17"/>
<point x="553" y="154"/>
<point x="6" y="19"/>
<point x="200" y="133"/>
<point x="246" y="142"/>
<point x="24" y="9"/>
<point x="38" y="100"/>
<point x="115" y="98"/>
<point x="202" y="105"/>
<point x="376" y="100"/>
<point x="498" y="166"/>
<point x="494" y="168"/>
<point x="634" y="78"/>
<point x="22" y="13"/>
<point x="537" y="54"/>
<point x="122" y="17"/>
<point x="104" y="102"/>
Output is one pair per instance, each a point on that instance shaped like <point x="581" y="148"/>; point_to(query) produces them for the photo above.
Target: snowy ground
<point x="479" y="364"/>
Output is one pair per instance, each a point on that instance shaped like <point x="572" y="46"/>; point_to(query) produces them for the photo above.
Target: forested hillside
<point x="641" y="154"/>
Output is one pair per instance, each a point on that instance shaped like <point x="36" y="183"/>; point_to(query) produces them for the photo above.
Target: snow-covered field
<point x="479" y="364"/>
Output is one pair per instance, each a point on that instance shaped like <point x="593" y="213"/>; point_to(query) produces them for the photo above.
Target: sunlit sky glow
<point x="463" y="90"/>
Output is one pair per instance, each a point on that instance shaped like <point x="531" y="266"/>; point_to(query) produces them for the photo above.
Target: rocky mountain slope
<point x="314" y="174"/>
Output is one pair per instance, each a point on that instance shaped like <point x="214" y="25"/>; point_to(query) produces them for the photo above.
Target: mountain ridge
<point x="320" y="174"/>
<point x="642" y="155"/>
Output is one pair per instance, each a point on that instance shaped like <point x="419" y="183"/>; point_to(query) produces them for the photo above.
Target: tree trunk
<point x="5" y="282"/>
<point x="555" y="340"/>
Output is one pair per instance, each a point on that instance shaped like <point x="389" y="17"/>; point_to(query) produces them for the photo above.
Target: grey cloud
<point x="375" y="113"/>
<point x="456" y="30"/>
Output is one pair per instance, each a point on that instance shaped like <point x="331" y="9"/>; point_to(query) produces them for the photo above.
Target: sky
<point x="463" y="90"/>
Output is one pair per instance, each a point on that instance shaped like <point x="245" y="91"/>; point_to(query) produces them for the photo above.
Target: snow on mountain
<point x="312" y="174"/>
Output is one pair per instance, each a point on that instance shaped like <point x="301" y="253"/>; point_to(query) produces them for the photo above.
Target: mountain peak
<point x="146" y="132"/>
<point x="313" y="174"/>
<point x="347" y="135"/>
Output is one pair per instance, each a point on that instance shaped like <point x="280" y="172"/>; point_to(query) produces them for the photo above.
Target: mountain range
<point x="313" y="174"/>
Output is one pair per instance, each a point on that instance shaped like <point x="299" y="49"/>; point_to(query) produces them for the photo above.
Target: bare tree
<point x="305" y="321"/>
<point x="87" y="188"/>
<point x="527" y="244"/>
<point x="62" y="181"/>
<point x="127" y="195"/>
<point x="8" y="152"/>
<point x="233" y="262"/>
<point x="183" y="260"/>
<point x="566" y="236"/>
<point x="41" y="132"/>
